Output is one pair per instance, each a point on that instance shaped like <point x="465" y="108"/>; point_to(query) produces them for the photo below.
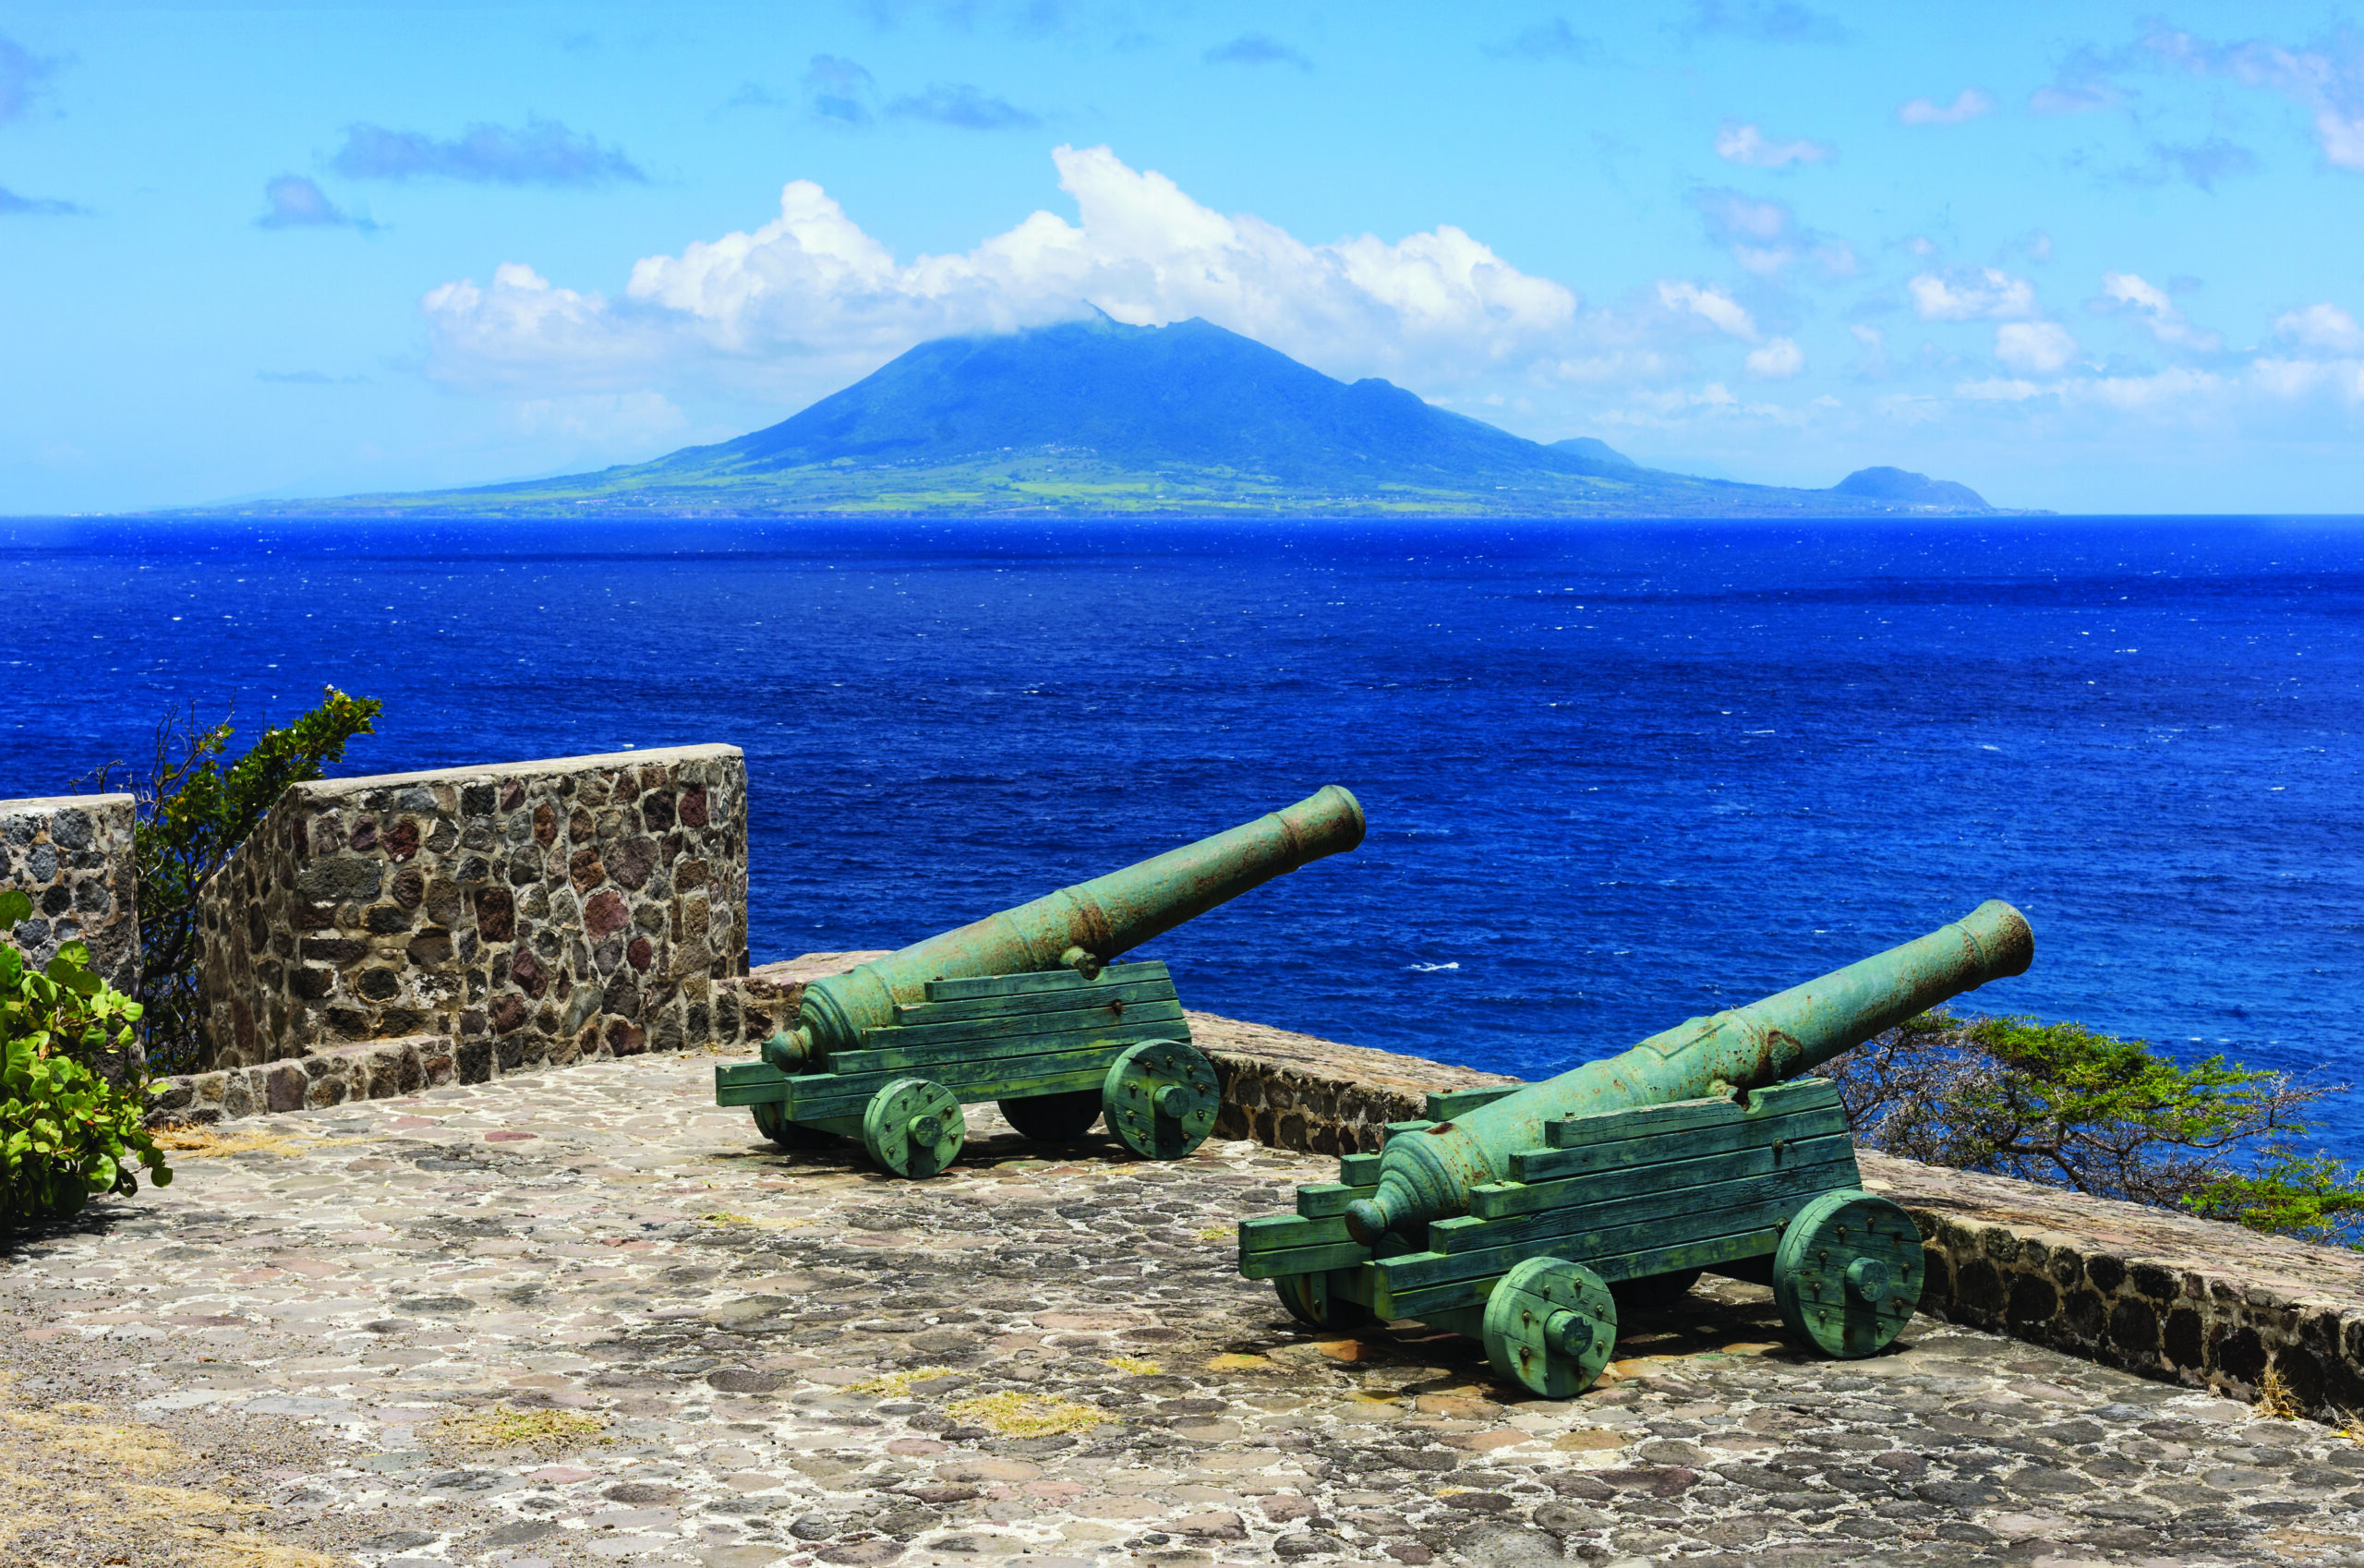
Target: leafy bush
<point x="72" y="1091"/>
<point x="2061" y="1104"/>
<point x="193" y="813"/>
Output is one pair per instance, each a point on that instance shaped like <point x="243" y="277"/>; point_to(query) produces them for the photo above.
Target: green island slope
<point x="1097" y="418"/>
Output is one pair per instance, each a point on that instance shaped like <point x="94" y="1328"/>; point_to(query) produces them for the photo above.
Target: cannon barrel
<point x="1428" y="1174"/>
<point x="1103" y="917"/>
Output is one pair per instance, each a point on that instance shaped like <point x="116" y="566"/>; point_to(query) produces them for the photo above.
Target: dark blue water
<point x="1616" y="774"/>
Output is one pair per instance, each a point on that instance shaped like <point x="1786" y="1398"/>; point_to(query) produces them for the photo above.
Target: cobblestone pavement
<point x="719" y="1354"/>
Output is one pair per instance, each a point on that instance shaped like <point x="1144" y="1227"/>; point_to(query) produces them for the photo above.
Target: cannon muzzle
<point x="1427" y="1176"/>
<point x="1083" y="926"/>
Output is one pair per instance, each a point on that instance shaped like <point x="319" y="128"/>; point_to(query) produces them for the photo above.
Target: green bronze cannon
<point x="1510" y="1213"/>
<point x="1025" y="1008"/>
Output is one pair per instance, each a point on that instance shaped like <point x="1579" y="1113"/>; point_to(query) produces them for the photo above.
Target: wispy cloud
<point x="965" y="107"/>
<point x="1257" y="49"/>
<point x="24" y="77"/>
<point x="1712" y="306"/>
<point x="1761" y="21"/>
<point x="543" y="152"/>
<point x="754" y="95"/>
<point x="14" y="206"/>
<point x="2131" y="292"/>
<point x="1553" y="40"/>
<point x="2326" y="78"/>
<point x="291" y="201"/>
<point x="1748" y="145"/>
<point x="2200" y="163"/>
<point x="838" y="89"/>
<point x="1968" y="104"/>
<point x="2082" y="83"/>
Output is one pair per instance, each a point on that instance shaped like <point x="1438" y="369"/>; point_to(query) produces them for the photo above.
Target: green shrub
<point x="2060" y="1104"/>
<point x="72" y="1091"/>
<point x="193" y="813"/>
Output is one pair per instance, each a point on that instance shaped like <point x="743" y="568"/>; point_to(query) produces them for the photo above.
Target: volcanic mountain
<point x="1095" y="416"/>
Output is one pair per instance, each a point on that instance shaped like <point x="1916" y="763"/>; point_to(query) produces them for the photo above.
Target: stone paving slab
<point x="787" y="1358"/>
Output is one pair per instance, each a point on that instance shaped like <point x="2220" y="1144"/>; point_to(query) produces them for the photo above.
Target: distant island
<point x="1094" y="417"/>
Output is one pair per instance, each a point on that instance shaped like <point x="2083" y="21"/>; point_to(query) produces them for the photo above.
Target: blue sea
<point x="1616" y="774"/>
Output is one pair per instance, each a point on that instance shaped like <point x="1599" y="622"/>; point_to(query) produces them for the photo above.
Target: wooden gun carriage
<point x="1025" y="1009"/>
<point x="1519" y="1215"/>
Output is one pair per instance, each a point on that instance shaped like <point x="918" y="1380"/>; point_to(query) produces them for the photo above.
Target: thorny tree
<point x="2061" y="1104"/>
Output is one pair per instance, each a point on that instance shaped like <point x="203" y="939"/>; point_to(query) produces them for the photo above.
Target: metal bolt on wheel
<point x="1052" y="1118"/>
<point x="1550" y="1324"/>
<point x="1161" y="1099"/>
<point x="1848" y="1275"/>
<point x="913" y="1128"/>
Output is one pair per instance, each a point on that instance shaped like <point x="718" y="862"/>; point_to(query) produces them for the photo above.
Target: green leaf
<point x="15" y="905"/>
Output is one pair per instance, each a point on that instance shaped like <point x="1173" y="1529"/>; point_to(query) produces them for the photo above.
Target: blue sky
<point x="2092" y="258"/>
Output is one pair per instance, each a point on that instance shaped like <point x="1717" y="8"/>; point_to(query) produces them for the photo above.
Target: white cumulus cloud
<point x="810" y="297"/>
<point x="2034" y="348"/>
<point x="1749" y="146"/>
<point x="1967" y="105"/>
<point x="1988" y="293"/>
<point x="1778" y="360"/>
<point x="2324" y="326"/>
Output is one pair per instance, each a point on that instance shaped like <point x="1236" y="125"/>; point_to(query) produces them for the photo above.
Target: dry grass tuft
<point x="1026" y="1414"/>
<point x="208" y="1142"/>
<point x="64" y="1489"/>
<point x="505" y="1425"/>
<point x="1140" y="1364"/>
<point x="1217" y="1233"/>
<point x="2275" y="1398"/>
<point x="897" y="1385"/>
<point x="723" y="1217"/>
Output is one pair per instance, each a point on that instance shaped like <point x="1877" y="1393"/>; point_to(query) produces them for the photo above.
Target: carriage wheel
<point x="1550" y="1324"/>
<point x="1848" y="1275"/>
<point x="1161" y="1099"/>
<point x="913" y="1128"/>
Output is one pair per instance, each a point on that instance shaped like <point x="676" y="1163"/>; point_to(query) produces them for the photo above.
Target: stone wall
<point x="72" y="855"/>
<point x="505" y="917"/>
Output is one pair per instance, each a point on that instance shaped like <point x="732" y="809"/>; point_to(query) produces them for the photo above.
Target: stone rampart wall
<point x="505" y="917"/>
<point x="72" y="855"/>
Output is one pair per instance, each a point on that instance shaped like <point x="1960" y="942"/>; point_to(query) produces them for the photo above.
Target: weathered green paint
<point x="913" y="1128"/>
<point x="1161" y="1099"/>
<point x="1429" y="1175"/>
<point x="1849" y="1271"/>
<point x="1104" y="917"/>
<point x="1446" y="1104"/>
<point x="1552" y="1326"/>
